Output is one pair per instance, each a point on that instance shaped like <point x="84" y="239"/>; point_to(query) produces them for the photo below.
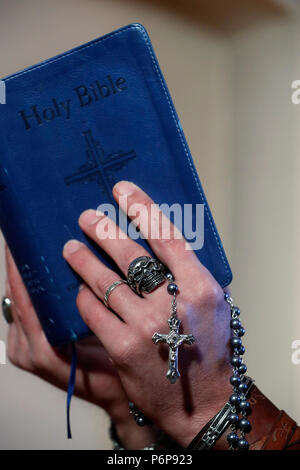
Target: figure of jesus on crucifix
<point x="173" y="339"/>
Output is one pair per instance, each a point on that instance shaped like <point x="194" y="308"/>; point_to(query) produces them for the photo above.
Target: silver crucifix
<point x="173" y="339"/>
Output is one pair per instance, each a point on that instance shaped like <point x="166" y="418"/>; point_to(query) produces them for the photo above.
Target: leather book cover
<point x="72" y="127"/>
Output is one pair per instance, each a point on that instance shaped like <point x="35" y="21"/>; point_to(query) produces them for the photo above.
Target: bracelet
<point x="239" y="423"/>
<point x="237" y="404"/>
<point x="117" y="445"/>
<point x="163" y="442"/>
<point x="139" y="417"/>
<point x="213" y="430"/>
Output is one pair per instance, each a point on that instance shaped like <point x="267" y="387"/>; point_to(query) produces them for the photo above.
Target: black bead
<point x="243" y="444"/>
<point x="241" y="331"/>
<point x="233" y="439"/>
<point x="235" y="324"/>
<point x="241" y="350"/>
<point x="233" y="418"/>
<point x="244" y="407"/>
<point x="236" y="361"/>
<point x="131" y="405"/>
<point x="172" y="288"/>
<point x="170" y="277"/>
<point x="235" y="399"/>
<point x="245" y="425"/>
<point x="236" y="311"/>
<point x="235" y="380"/>
<point x="140" y="420"/>
<point x="236" y="342"/>
<point x="242" y="388"/>
<point x="242" y="369"/>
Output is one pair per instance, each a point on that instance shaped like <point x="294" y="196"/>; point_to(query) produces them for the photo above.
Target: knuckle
<point x="141" y="207"/>
<point x="212" y="293"/>
<point x="131" y="253"/>
<point x="12" y="356"/>
<point x="81" y="304"/>
<point x="88" y="315"/>
<point x="38" y="363"/>
<point x="19" y="357"/>
<point x="126" y="353"/>
<point x="168" y="240"/>
<point x="150" y="325"/>
<point x="24" y="362"/>
<point x="80" y="258"/>
<point x="141" y="202"/>
<point x="16" y="312"/>
<point x="79" y="299"/>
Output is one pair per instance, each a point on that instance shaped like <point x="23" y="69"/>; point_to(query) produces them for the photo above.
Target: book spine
<point x="19" y="236"/>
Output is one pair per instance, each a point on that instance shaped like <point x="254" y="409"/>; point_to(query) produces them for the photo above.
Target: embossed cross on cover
<point x="72" y="127"/>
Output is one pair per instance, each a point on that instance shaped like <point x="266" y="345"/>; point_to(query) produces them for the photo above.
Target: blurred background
<point x="229" y="65"/>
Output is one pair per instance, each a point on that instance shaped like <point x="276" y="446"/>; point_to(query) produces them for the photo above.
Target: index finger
<point x="164" y="238"/>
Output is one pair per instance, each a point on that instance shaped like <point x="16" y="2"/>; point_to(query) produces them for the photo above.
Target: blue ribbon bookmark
<point x="71" y="388"/>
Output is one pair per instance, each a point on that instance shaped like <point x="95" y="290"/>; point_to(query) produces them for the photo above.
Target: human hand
<point x="183" y="408"/>
<point x="96" y="378"/>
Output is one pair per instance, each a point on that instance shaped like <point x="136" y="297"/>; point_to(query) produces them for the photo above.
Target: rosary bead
<point x="241" y="331"/>
<point x="235" y="399"/>
<point x="235" y="324"/>
<point x="245" y="425"/>
<point x="131" y="405"/>
<point x="235" y="380"/>
<point x="243" y="444"/>
<point x="242" y="369"/>
<point x="242" y="388"/>
<point x="169" y="277"/>
<point x="233" y="418"/>
<point x="172" y="288"/>
<point x="244" y="407"/>
<point x="140" y="421"/>
<point x="233" y="439"/>
<point x="236" y="361"/>
<point x="236" y="342"/>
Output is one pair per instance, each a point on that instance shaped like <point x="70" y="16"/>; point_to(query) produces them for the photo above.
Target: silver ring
<point x="145" y="274"/>
<point x="110" y="289"/>
<point x="7" y="309"/>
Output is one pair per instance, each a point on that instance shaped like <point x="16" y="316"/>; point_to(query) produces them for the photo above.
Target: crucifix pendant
<point x="173" y="339"/>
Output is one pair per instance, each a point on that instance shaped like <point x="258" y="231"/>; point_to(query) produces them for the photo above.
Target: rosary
<point x="234" y="414"/>
<point x="173" y="339"/>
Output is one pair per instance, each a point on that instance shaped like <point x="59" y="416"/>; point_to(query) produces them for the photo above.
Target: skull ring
<point x="145" y="274"/>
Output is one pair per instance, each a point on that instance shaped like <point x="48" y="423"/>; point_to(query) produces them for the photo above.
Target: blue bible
<point x="73" y="126"/>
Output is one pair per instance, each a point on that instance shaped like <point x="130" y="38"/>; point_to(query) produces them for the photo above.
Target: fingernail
<point x="72" y="246"/>
<point x="125" y="188"/>
<point x="90" y="217"/>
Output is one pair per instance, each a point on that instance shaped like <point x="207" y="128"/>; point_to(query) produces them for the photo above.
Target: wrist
<point x="184" y="427"/>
